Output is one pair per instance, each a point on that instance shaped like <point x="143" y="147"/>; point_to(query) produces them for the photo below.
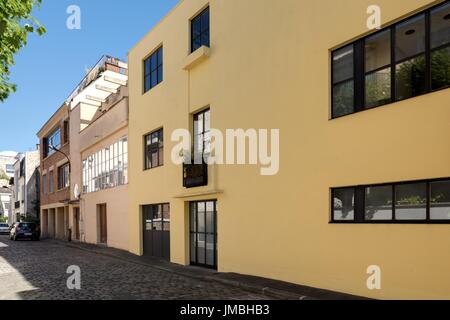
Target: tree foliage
<point x="16" y="22"/>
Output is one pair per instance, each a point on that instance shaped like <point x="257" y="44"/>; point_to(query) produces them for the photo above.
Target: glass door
<point x="203" y="233"/>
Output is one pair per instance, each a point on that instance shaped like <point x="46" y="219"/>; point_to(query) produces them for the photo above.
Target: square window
<point x="411" y="201"/>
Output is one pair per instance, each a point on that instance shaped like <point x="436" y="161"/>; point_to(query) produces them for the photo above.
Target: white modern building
<point x="25" y="195"/>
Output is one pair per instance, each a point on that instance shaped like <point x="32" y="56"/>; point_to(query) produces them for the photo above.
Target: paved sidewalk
<point x="270" y="288"/>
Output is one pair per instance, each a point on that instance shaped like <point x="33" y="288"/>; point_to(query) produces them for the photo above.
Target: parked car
<point x="24" y="230"/>
<point x="4" y="228"/>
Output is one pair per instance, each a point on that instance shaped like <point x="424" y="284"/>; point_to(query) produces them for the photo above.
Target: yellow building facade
<point x="270" y="65"/>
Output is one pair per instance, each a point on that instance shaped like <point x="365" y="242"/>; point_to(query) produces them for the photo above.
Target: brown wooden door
<point x="103" y="223"/>
<point x="76" y="222"/>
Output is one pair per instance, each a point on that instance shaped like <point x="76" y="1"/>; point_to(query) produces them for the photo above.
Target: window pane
<point x="210" y="254"/>
<point x="410" y="78"/>
<point x="147" y="66"/>
<point x="440" y="68"/>
<point x="378" y="88"/>
<point x="196" y="27"/>
<point x="193" y="247"/>
<point x="440" y="26"/>
<point x="343" y="98"/>
<point x="440" y="200"/>
<point x="160" y="74"/>
<point x="343" y="204"/>
<point x="410" y="38"/>
<point x="201" y="242"/>
<point x="201" y="221"/>
<point x="154" y="79"/>
<point x="411" y="201"/>
<point x="205" y="20"/>
<point x="378" y="203"/>
<point x="343" y="64"/>
<point x="153" y="62"/>
<point x="378" y="51"/>
<point x="160" y="56"/>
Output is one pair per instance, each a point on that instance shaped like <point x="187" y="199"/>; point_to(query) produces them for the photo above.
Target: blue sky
<point x="50" y="67"/>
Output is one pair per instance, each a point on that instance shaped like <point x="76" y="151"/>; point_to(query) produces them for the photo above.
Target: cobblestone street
<point x="37" y="270"/>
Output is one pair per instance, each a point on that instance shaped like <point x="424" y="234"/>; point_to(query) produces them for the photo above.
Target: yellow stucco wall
<point x="270" y="68"/>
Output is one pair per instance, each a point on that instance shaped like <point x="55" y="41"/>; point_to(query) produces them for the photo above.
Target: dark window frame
<point x="63" y="180"/>
<point x="359" y="206"/>
<point x="359" y="64"/>
<point x="158" y="70"/>
<point x="160" y="149"/>
<point x="203" y="30"/>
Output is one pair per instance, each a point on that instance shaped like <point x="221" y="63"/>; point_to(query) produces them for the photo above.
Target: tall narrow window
<point x="440" y="47"/>
<point x="202" y="136"/>
<point x="66" y="132"/>
<point x="343" y="81"/>
<point x="63" y="177"/>
<point x="200" y="30"/>
<point x="51" y="182"/>
<point x="410" y="58"/>
<point x="378" y="69"/>
<point x="154" y="149"/>
<point x="153" y="70"/>
<point x="44" y="184"/>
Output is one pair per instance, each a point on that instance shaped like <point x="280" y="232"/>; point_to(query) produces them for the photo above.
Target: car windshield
<point x="3" y="225"/>
<point x="27" y="226"/>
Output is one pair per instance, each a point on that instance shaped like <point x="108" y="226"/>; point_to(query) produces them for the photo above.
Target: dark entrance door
<point x="76" y="221"/>
<point x="103" y="223"/>
<point x="203" y="233"/>
<point x="157" y="230"/>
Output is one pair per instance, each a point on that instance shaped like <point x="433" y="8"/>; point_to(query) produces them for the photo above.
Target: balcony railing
<point x="195" y="175"/>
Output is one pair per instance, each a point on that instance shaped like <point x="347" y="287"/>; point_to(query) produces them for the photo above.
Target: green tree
<point x="16" y="22"/>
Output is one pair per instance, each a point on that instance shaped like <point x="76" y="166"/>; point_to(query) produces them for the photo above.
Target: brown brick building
<point x="55" y="174"/>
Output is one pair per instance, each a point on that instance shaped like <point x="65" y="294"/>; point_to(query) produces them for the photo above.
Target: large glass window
<point x="154" y="149"/>
<point x="343" y="81"/>
<point x="378" y="69"/>
<point x="440" y="47"/>
<point x="63" y="177"/>
<point x="107" y="168"/>
<point x="200" y="30"/>
<point x="153" y="70"/>
<point x="407" y="59"/>
<point x="405" y="202"/>
<point x="343" y="204"/>
<point x="53" y="142"/>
